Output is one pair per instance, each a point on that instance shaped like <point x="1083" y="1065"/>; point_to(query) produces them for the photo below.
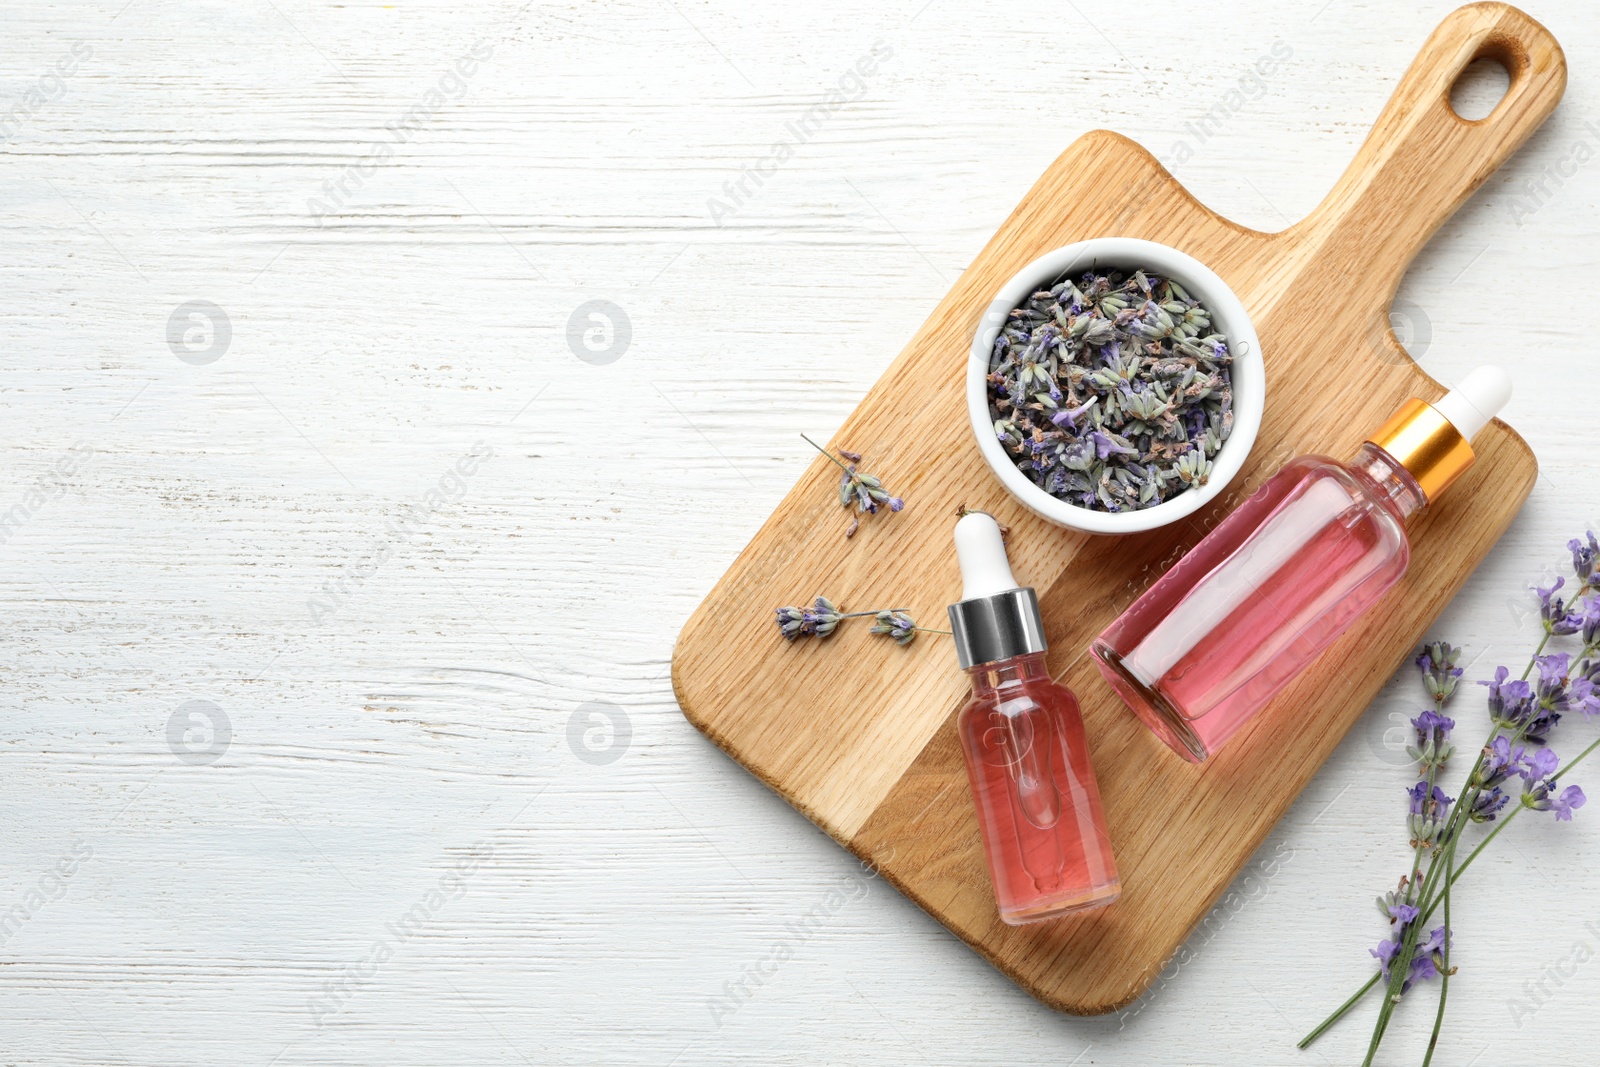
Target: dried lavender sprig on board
<point x="863" y="490"/>
<point x="1113" y="393"/>
<point x="901" y="626"/>
<point x="823" y="617"/>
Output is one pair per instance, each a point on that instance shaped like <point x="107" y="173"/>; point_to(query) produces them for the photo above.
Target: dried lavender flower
<point x="900" y="626"/>
<point x="897" y="624"/>
<point x="823" y="617"/>
<point x="791" y="622"/>
<point x="819" y="620"/>
<point x="863" y="490"/>
<point x="1113" y="393"/>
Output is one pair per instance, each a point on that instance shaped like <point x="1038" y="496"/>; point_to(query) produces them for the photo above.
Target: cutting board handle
<point x="1422" y="160"/>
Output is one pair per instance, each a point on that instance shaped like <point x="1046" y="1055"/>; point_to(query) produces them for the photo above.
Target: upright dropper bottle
<point x="1027" y="761"/>
<point x="1249" y="607"/>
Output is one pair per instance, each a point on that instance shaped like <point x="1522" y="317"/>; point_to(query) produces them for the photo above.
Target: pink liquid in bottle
<point x="1234" y="621"/>
<point x="1038" y="805"/>
<point x="1027" y="760"/>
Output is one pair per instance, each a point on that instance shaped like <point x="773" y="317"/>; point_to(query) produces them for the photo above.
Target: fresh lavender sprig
<point x="1523" y="713"/>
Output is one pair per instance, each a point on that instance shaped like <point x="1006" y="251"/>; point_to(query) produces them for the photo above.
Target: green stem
<point x="1501" y="825"/>
<point x="842" y="467"/>
<point x="1579" y="758"/>
<point x="1444" y="978"/>
<point x="1451" y="831"/>
<point x="1305" y="1042"/>
<point x="1400" y="964"/>
<point x="1545" y="640"/>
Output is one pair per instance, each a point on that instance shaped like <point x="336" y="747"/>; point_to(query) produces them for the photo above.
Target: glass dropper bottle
<point x="1027" y="761"/>
<point x="1248" y="608"/>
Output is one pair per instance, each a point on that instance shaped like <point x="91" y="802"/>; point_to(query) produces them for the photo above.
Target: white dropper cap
<point x="1476" y="400"/>
<point x="995" y="619"/>
<point x="985" y="570"/>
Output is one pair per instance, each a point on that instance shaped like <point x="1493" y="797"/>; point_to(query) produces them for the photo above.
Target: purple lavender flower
<point x="1429" y="955"/>
<point x="1069" y="417"/>
<point x="1426" y="960"/>
<point x="1500" y="761"/>
<point x="1551" y="698"/>
<point x="1539" y="725"/>
<point x="1510" y="702"/>
<point x="1584" y="558"/>
<point x="1108" y="445"/>
<point x="1431" y="725"/>
<point x="1419" y="796"/>
<point x="1432" y="747"/>
<point x="1571" y="797"/>
<point x="1396" y="906"/>
<point x="1404" y="913"/>
<point x="1553" y="610"/>
<point x="1437" y="662"/>
<point x="897" y="624"/>
<point x="1486" y="805"/>
<point x="1428" y="810"/>
<point x="1542" y="763"/>
<point x="1543" y="797"/>
<point x="1590" y="615"/>
<point x="1584" y="696"/>
<point x="1553" y="671"/>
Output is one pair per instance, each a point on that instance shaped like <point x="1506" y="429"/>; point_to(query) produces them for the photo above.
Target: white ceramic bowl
<point x="1227" y="315"/>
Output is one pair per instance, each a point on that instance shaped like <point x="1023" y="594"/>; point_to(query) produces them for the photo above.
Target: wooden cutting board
<point x="859" y="734"/>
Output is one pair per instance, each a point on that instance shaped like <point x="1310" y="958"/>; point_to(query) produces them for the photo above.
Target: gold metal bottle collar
<point x="1427" y="444"/>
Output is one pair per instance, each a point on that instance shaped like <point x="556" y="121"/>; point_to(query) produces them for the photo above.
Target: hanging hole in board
<point x="1479" y="89"/>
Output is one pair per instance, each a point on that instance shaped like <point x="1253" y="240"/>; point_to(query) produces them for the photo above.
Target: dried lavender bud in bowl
<point x="1115" y="385"/>
<point x="1112" y="390"/>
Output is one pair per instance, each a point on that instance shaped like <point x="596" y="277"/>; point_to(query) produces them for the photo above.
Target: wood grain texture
<point x="863" y="741"/>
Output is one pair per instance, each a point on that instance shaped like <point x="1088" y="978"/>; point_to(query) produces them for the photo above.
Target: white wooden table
<point x="384" y="384"/>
